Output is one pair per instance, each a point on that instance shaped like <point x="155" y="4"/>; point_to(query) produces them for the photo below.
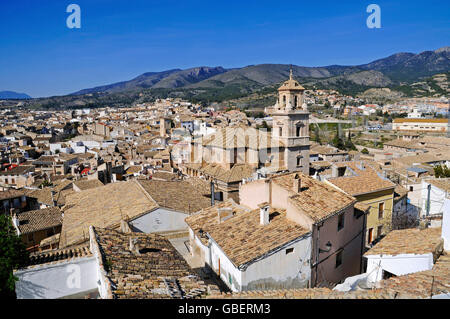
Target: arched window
<point x="284" y="100"/>
<point x="280" y="131"/>
<point x="295" y="101"/>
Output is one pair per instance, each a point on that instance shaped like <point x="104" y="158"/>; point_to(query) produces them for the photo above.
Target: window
<point x="30" y="237"/>
<point x="289" y="250"/>
<point x="341" y="220"/>
<point x="295" y="101"/>
<point x="387" y="274"/>
<point x="298" y="130"/>
<point x="380" y="210"/>
<point x="370" y="236"/>
<point x="339" y="259"/>
<point x="411" y="188"/>
<point x="280" y="131"/>
<point x="379" y="231"/>
<point x="299" y="161"/>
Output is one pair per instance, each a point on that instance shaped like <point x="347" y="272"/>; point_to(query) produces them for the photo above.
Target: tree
<point x="317" y="134"/>
<point x="365" y="151"/>
<point x="441" y="171"/>
<point x="13" y="255"/>
<point x="337" y="141"/>
<point x="349" y="143"/>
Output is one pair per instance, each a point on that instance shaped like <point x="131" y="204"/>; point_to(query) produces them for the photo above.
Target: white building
<point x="251" y="249"/>
<point x="433" y="194"/>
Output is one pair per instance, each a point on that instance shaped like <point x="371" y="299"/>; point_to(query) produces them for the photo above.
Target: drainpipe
<point x="317" y="256"/>
<point x="212" y="193"/>
<point x="428" y="199"/>
<point x="363" y="242"/>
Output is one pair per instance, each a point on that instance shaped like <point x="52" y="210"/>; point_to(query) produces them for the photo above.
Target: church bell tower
<point x="290" y="119"/>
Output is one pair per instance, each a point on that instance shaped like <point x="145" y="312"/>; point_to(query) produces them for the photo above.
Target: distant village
<point x="171" y="199"/>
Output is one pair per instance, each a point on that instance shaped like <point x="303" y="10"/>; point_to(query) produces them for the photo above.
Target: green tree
<point x="317" y="134"/>
<point x="441" y="171"/>
<point x="365" y="151"/>
<point x="13" y="255"/>
<point x="349" y="143"/>
<point x="337" y="140"/>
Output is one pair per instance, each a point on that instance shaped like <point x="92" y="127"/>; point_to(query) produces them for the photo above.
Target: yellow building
<point x="370" y="188"/>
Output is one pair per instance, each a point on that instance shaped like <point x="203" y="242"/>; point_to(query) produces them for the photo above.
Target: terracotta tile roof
<point x="422" y="158"/>
<point x="88" y="184"/>
<point x="360" y="178"/>
<point x="54" y="256"/>
<point x="317" y="199"/>
<point x="178" y="195"/>
<point x="232" y="175"/>
<point x="44" y="196"/>
<point x="306" y="293"/>
<point x="327" y="150"/>
<point x="241" y="237"/>
<point x="103" y="206"/>
<point x="422" y="284"/>
<point x="41" y="219"/>
<point x="400" y="192"/>
<point x="158" y="271"/>
<point x="408" y="120"/>
<point x="408" y="241"/>
<point x="18" y="170"/>
<point x="238" y="137"/>
<point x="12" y="193"/>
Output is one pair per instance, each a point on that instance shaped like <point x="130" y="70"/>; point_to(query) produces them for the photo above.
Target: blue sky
<point x="119" y="40"/>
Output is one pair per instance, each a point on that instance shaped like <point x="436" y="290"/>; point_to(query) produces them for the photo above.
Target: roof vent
<point x="224" y="213"/>
<point x="297" y="185"/>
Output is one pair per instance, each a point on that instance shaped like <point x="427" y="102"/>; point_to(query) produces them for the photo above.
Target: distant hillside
<point x="401" y="74"/>
<point x="408" y="67"/>
<point x="10" y="95"/>
<point x="166" y="79"/>
<point x="397" y="69"/>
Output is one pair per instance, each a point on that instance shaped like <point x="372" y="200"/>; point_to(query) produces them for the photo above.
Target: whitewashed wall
<point x="398" y="265"/>
<point x="446" y="224"/>
<point x="279" y="270"/>
<point x="275" y="271"/>
<point x="51" y="281"/>
<point x="437" y="197"/>
<point x="160" y="220"/>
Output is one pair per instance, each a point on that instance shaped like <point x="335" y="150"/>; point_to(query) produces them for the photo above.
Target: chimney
<point x="134" y="246"/>
<point x="53" y="198"/>
<point x="264" y="213"/>
<point x="297" y="186"/>
<point x="334" y="171"/>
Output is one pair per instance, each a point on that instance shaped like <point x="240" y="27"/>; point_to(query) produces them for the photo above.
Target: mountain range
<point x="395" y="70"/>
<point x="10" y="95"/>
